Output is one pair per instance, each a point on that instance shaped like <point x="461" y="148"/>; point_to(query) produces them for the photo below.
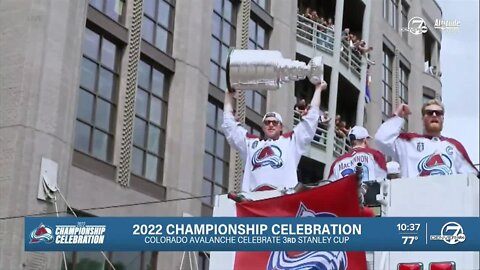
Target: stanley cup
<point x="268" y="70"/>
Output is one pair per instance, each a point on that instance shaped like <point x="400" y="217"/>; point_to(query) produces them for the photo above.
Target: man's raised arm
<point x="389" y="131"/>
<point x="234" y="132"/>
<point x="305" y="129"/>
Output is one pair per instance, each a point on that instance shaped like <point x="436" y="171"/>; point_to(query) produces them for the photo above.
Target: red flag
<point x="339" y="198"/>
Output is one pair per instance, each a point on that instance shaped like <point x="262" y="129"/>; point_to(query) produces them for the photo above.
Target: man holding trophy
<point x="270" y="162"/>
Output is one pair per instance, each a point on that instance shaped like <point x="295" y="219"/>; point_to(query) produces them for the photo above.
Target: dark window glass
<point x="217" y="155"/>
<point x="150" y="122"/>
<point x="223" y="33"/>
<point x="387" y="97"/>
<point x="157" y="28"/>
<point x="97" y="97"/>
<point x="256" y="100"/>
<point x="112" y="8"/>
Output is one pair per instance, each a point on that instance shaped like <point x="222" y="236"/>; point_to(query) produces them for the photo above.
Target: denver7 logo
<point x="452" y="238"/>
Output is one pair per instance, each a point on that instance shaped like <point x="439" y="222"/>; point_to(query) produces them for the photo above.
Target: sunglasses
<point x="436" y="112"/>
<point x="273" y="122"/>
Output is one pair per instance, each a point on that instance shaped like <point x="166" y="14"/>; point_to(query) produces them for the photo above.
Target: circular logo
<point x="417" y="26"/>
<point x="452" y="233"/>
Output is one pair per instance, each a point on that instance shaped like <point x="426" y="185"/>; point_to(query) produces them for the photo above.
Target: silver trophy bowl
<point x="268" y="70"/>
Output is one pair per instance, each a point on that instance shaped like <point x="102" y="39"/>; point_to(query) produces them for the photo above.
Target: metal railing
<point x="320" y="137"/>
<point x="314" y="34"/>
<point x="351" y="58"/>
<point x="340" y="145"/>
<point x="322" y="38"/>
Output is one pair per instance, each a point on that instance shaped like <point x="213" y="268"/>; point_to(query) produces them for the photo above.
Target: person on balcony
<point x="324" y="122"/>
<point x="365" y="51"/>
<point x="342" y="130"/>
<point x="338" y="127"/>
<point x="271" y="162"/>
<point x="301" y="108"/>
<point x="323" y="125"/>
<point x="372" y="161"/>
<point x="330" y="33"/>
<point x="424" y="154"/>
<point x="321" y="27"/>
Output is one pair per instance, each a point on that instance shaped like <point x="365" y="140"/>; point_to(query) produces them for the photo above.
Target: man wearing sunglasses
<point x="271" y="162"/>
<point x="423" y="154"/>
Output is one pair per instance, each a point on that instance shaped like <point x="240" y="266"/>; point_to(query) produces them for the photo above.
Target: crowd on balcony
<point x="357" y="45"/>
<point x="341" y="127"/>
<point x="324" y="26"/>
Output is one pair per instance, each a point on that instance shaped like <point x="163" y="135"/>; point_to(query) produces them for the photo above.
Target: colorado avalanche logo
<point x="310" y="260"/>
<point x="269" y="155"/>
<point x="435" y="165"/>
<point x="41" y="234"/>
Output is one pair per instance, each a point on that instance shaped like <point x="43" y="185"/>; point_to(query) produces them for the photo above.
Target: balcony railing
<point x="351" y="58"/>
<point x="320" y="137"/>
<point x="322" y="38"/>
<point x="340" y="146"/>
<point x="314" y="34"/>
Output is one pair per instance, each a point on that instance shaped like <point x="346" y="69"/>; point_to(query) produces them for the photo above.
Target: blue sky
<point x="460" y="81"/>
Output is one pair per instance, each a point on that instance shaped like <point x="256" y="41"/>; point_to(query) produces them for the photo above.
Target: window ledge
<point x="93" y="165"/>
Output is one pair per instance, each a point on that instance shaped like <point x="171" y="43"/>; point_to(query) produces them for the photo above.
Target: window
<point x="97" y="97"/>
<point x="426" y="98"/>
<point x="254" y="129"/>
<point x="387" y="97"/>
<point x="404" y="73"/>
<point x="112" y="8"/>
<point x="390" y="14"/>
<point x="121" y="260"/>
<point x="257" y="40"/>
<point x="385" y="9"/>
<point x="428" y="94"/>
<point x="223" y="32"/>
<point x="393" y="18"/>
<point x="261" y="3"/>
<point x="157" y="24"/>
<point x="216" y="156"/>
<point x="405" y="9"/>
<point x="150" y="123"/>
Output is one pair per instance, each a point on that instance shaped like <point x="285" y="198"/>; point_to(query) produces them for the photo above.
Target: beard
<point x="435" y="127"/>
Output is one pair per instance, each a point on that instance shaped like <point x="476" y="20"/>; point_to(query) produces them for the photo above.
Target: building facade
<point x="126" y="98"/>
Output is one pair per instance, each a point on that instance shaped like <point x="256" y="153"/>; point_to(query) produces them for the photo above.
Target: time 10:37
<point x="408" y="227"/>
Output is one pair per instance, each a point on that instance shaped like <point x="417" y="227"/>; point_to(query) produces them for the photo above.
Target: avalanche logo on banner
<point x="339" y="198"/>
<point x="321" y="260"/>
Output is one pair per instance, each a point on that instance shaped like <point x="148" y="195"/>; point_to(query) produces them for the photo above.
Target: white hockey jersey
<point x="373" y="164"/>
<point x="271" y="163"/>
<point x="421" y="155"/>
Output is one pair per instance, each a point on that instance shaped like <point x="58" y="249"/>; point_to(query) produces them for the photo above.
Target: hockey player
<point x="271" y="162"/>
<point x="372" y="161"/>
<point x="423" y="154"/>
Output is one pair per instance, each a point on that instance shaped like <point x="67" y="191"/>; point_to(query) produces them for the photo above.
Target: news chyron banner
<point x="251" y="234"/>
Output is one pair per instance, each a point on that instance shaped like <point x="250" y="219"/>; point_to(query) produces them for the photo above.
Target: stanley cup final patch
<point x="420" y="146"/>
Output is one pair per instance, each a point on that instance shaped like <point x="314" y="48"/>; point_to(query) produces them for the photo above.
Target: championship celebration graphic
<point x="79" y="233"/>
